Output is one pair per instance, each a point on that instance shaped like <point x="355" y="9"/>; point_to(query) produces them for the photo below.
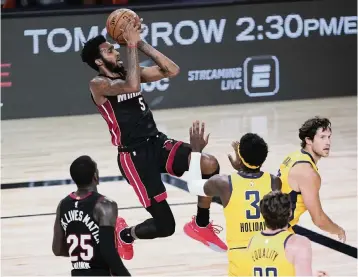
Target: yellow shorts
<point x="238" y="262"/>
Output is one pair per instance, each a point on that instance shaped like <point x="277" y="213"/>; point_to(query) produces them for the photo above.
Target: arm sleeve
<point x="194" y="182"/>
<point x="109" y="251"/>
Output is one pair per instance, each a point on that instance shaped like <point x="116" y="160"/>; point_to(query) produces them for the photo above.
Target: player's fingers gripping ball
<point x="117" y="22"/>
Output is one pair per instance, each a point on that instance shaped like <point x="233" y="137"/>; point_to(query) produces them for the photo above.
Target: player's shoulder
<point x="304" y="170"/>
<point x="297" y="241"/>
<point x="221" y="179"/>
<point x="106" y="202"/>
<point x="98" y="82"/>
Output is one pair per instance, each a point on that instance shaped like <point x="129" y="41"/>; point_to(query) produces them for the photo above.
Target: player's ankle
<point x="126" y="235"/>
<point x="202" y="217"/>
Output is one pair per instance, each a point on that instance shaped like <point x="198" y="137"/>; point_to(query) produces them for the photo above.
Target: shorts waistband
<point x="133" y="147"/>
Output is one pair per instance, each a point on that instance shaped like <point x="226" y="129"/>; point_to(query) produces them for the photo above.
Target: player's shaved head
<point x="83" y="171"/>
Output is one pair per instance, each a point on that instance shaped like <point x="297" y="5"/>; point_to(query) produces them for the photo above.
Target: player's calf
<point x="209" y="167"/>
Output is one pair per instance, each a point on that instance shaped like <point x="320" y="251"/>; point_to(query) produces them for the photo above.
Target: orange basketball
<point x="117" y="22"/>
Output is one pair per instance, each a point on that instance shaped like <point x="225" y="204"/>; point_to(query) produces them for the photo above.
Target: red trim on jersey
<point x="74" y="196"/>
<point x="109" y="116"/>
<point x="171" y="157"/>
<point x="134" y="179"/>
<point x="161" y="197"/>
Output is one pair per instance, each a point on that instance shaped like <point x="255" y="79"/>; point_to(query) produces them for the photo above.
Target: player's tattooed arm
<point x="165" y="67"/>
<point x="101" y="86"/>
<point x="59" y="246"/>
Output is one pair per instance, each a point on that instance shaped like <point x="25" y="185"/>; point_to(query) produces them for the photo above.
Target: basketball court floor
<point x="42" y="149"/>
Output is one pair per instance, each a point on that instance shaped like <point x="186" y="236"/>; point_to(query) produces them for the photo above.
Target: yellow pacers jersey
<point x="267" y="257"/>
<point x="298" y="207"/>
<point x="243" y="217"/>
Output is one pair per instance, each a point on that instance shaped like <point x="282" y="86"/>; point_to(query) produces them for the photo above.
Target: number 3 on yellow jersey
<point x="254" y="197"/>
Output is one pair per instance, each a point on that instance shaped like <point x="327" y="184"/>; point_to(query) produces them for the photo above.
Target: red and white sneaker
<point x="125" y="250"/>
<point x="206" y="235"/>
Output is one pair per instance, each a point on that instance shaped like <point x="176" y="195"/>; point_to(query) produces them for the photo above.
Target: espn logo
<point x="261" y="76"/>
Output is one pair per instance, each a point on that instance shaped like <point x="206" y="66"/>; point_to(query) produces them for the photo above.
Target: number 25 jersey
<point x="242" y="213"/>
<point x="82" y="231"/>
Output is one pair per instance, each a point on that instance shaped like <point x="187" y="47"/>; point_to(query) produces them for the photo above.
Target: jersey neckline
<point x="272" y="234"/>
<point x="306" y="153"/>
<point x="74" y="196"/>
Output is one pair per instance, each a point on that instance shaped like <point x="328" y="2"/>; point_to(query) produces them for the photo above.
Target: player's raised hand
<point x="132" y="33"/>
<point x="197" y="140"/>
<point x="139" y="26"/>
<point x="235" y="162"/>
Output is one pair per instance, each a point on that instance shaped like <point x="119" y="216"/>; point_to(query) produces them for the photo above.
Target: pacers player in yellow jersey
<point x="240" y="192"/>
<point x="300" y="177"/>
<point x="276" y="251"/>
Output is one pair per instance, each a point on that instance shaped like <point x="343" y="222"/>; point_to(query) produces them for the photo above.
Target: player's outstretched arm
<point x="217" y="185"/>
<point x="309" y="183"/>
<point x="165" y="67"/>
<point x="106" y="212"/>
<point x="59" y="247"/>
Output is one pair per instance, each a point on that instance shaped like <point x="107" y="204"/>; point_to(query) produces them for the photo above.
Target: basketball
<point x="117" y="22"/>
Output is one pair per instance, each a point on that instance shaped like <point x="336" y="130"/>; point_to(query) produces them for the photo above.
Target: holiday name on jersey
<point x="75" y="215"/>
<point x="252" y="227"/>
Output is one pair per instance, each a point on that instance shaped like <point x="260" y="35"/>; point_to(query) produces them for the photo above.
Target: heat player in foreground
<point x="300" y="177"/>
<point x="240" y="192"/>
<point x="276" y="251"/>
<point x="84" y="228"/>
<point x="143" y="151"/>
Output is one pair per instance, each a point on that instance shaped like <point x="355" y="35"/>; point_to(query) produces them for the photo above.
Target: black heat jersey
<point x="82" y="234"/>
<point x="129" y="119"/>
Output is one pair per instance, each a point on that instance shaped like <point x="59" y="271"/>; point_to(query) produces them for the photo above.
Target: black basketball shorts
<point x="142" y="166"/>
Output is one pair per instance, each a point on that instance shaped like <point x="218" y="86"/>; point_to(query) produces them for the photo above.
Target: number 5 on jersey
<point x="141" y="103"/>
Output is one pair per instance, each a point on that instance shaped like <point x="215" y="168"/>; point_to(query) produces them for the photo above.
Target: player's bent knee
<point x="166" y="228"/>
<point x="209" y="165"/>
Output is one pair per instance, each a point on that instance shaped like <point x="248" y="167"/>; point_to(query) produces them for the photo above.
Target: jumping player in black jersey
<point x="84" y="228"/>
<point x="143" y="151"/>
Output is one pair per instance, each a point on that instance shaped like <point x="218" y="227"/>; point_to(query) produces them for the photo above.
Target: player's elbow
<point x="134" y="87"/>
<point x="319" y="220"/>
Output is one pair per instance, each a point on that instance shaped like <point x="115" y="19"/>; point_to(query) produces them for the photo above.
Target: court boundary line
<point x="181" y="184"/>
<point x="119" y="209"/>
